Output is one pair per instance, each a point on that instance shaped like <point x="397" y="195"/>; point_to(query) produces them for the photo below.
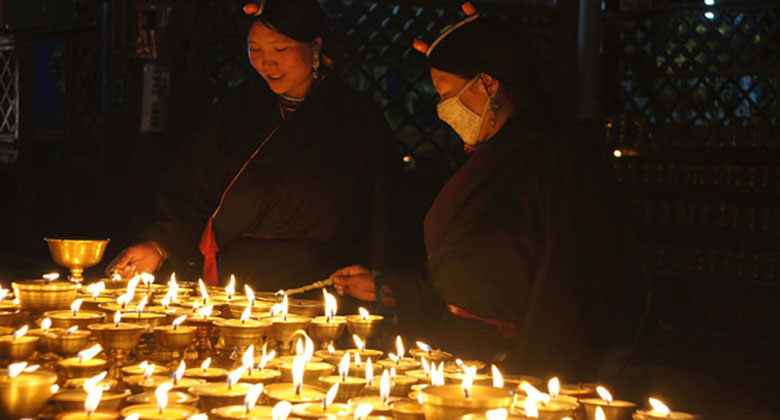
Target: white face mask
<point x="461" y="118"/>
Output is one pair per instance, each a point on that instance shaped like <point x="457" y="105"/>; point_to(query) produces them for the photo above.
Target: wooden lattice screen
<point x="693" y="104"/>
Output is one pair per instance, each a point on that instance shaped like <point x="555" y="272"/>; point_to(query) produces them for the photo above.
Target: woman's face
<point x="284" y="63"/>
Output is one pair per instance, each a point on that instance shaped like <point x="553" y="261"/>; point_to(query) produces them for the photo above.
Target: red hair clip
<point x="468" y="8"/>
<point x="254" y="9"/>
<point x="420" y="46"/>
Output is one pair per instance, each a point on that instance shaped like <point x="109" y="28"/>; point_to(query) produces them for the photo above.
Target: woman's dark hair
<point x="495" y="48"/>
<point x="301" y="20"/>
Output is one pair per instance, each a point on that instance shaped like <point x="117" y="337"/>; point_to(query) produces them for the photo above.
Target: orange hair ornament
<point x="254" y="9"/>
<point x="471" y="15"/>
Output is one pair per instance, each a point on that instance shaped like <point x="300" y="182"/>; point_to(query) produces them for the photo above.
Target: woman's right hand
<point x="145" y="257"/>
<point x="356" y="281"/>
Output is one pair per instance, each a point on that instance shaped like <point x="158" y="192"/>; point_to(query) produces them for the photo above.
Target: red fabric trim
<point x="507" y="329"/>
<point x="208" y="247"/>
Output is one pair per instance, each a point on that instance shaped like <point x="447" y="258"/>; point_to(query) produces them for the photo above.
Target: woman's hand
<point x="356" y="281"/>
<point x="145" y="257"/>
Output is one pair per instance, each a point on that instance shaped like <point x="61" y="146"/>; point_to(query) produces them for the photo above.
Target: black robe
<point x="526" y="232"/>
<point x="310" y="202"/>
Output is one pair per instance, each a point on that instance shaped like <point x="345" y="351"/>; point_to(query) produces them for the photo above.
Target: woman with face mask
<point x="286" y="182"/>
<point x="520" y="250"/>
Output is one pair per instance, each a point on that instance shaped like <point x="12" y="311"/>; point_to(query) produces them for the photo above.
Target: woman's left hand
<point x="356" y="281"/>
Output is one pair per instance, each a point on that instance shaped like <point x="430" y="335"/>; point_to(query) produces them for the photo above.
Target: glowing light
<point x="147" y="279"/>
<point x="94" y="381"/>
<point x="123" y="300"/>
<point x="166" y="300"/>
<point x="20" y="332"/>
<point x="248" y="359"/>
<point x="554" y="387"/>
<point x="281" y="410"/>
<point x="178" y="373"/>
<point x="659" y="407"/>
<point x="497" y="414"/>
<point x="234" y="376"/>
<point x="424" y="347"/>
<point x="437" y="375"/>
<point x="285" y="307"/>
<point x="71" y="330"/>
<point x="251" y="396"/>
<point x="298" y="365"/>
<point x="149" y="371"/>
<point x="617" y="153"/>
<point x="94" y="394"/>
<point x="95" y="289"/>
<point x="369" y="373"/>
<point x="45" y="325"/>
<point x="206" y="363"/>
<point x="331" y="350"/>
<point x="33" y="368"/>
<point x="266" y="357"/>
<point x="425" y="366"/>
<point x="392" y="373"/>
<point x="362" y="411"/>
<point x="88" y="354"/>
<point x="205" y="311"/>
<point x="176" y="322"/>
<point x="359" y="344"/>
<point x="600" y="414"/>
<point x="308" y="349"/>
<point x="399" y="347"/>
<point x="246" y="314"/>
<point x="75" y="306"/>
<point x="394" y="358"/>
<point x="604" y="394"/>
<point x="117" y="318"/>
<point x="531" y="411"/>
<point x="204" y="294"/>
<point x="363" y="314"/>
<point x="468" y="380"/>
<point x="498" y="379"/>
<point x="15" y="369"/>
<point x="161" y="395"/>
<point x="250" y="295"/>
<point x="709" y="2"/>
<point x="358" y="362"/>
<point x="330" y="305"/>
<point x="141" y="305"/>
<point x="3" y="293"/>
<point x="709" y="15"/>
<point x="344" y="367"/>
<point x="54" y="388"/>
<point x="330" y="396"/>
<point x="384" y="387"/>
<point x="230" y="289"/>
<point x="50" y="277"/>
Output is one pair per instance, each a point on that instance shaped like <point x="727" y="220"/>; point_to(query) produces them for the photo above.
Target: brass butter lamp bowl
<point x="39" y="296"/>
<point x="24" y="395"/>
<point x="77" y="254"/>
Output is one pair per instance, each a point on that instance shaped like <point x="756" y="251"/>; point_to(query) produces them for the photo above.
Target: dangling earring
<point x="315" y="65"/>
<point x="493" y="110"/>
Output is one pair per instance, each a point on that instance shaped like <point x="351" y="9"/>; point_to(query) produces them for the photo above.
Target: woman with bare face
<point x="286" y="183"/>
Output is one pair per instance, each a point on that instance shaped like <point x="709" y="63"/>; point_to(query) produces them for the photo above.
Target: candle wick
<point x="297" y="389"/>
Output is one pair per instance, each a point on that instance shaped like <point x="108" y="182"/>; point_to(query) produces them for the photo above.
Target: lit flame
<point x="117" y="318"/>
<point x="359" y="343"/>
<point x="173" y="289"/>
<point x="149" y="371"/>
<point x="604" y="394"/>
<point x="358" y="362"/>
<point x="468" y="380"/>
<point x="206" y="363"/>
<point x="204" y="294"/>
<point x="554" y="387"/>
<point x="50" y="277"/>
<point x="344" y="367"/>
<point x="425" y="366"/>
<point x="266" y="357"/>
<point x="394" y="358"/>
<point x="424" y="347"/>
<point x="330" y="396"/>
<point x="245" y="315"/>
<point x="71" y="330"/>
<point x="116" y="277"/>
<point x="75" y="306"/>
<point x="498" y="379"/>
<point x="177" y="375"/>
<point x="250" y="295"/>
<point x="251" y="396"/>
<point x="534" y="393"/>
<point x="285" y="307"/>
<point x="132" y="284"/>
<point x="32" y="368"/>
<point x="497" y="414"/>
<point x="420" y="398"/>
<point x="531" y="411"/>
<point x="248" y="359"/>
<point x="147" y="279"/>
<point x="362" y="411"/>
<point x="141" y="305"/>
<point x="166" y="300"/>
<point x="437" y="375"/>
<point x="161" y="394"/>
<point x="281" y="410"/>
<point x="384" y="387"/>
<point x="93" y="381"/>
<point x="178" y="321"/>
<point x="123" y="300"/>
<point x="16" y="368"/>
<point x="205" y="311"/>
<point x="88" y="354"/>
<point x="95" y="289"/>
<point x="54" y="388"/>
<point x="600" y="414"/>
<point x="94" y="394"/>
<point x="299" y="347"/>
<point x="363" y="314"/>
<point x="20" y="332"/>
<point x="369" y="373"/>
<point x="308" y="349"/>
<point x="297" y="373"/>
<point x="3" y="293"/>
<point x="392" y="373"/>
<point x="330" y="305"/>
<point x="331" y="350"/>
<point x="659" y="407"/>
<point x="399" y="347"/>
<point x="230" y="289"/>
<point x="234" y="376"/>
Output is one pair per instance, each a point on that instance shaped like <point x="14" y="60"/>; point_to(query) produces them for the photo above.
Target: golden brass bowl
<point x="285" y="392"/>
<point x="282" y="330"/>
<point x="311" y="372"/>
<point x="24" y="395"/>
<point x="65" y="344"/>
<point x="305" y="307"/>
<point x="448" y="402"/>
<point x="259" y="309"/>
<point x="76" y="254"/>
<point x="136" y="370"/>
<point x="616" y="410"/>
<point x="437" y="356"/>
<point x="349" y="388"/>
<point x="8" y="318"/>
<point x="265" y="376"/>
<point x="65" y="319"/>
<point x="148" y="320"/>
<point x="150" y="412"/>
<point x="75" y="369"/>
<point x="364" y="328"/>
<point x="407" y="410"/>
<point x="78" y="383"/>
<point x="313" y="410"/>
<point x="39" y="296"/>
<point x="174" y="397"/>
<point x="558" y="408"/>
<point x="240" y="334"/>
<point x="327" y="332"/>
<point x="17" y="349"/>
<point x="73" y="400"/>
<point x="213" y="395"/>
<point x="177" y="339"/>
<point x="150" y="384"/>
<point x="93" y="304"/>
<point x="123" y="337"/>
<point x="233" y="412"/>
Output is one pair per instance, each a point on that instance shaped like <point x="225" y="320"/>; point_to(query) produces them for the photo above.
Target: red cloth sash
<point x="507" y="329"/>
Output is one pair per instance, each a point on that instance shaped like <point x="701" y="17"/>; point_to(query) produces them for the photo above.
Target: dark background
<point x="687" y="92"/>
